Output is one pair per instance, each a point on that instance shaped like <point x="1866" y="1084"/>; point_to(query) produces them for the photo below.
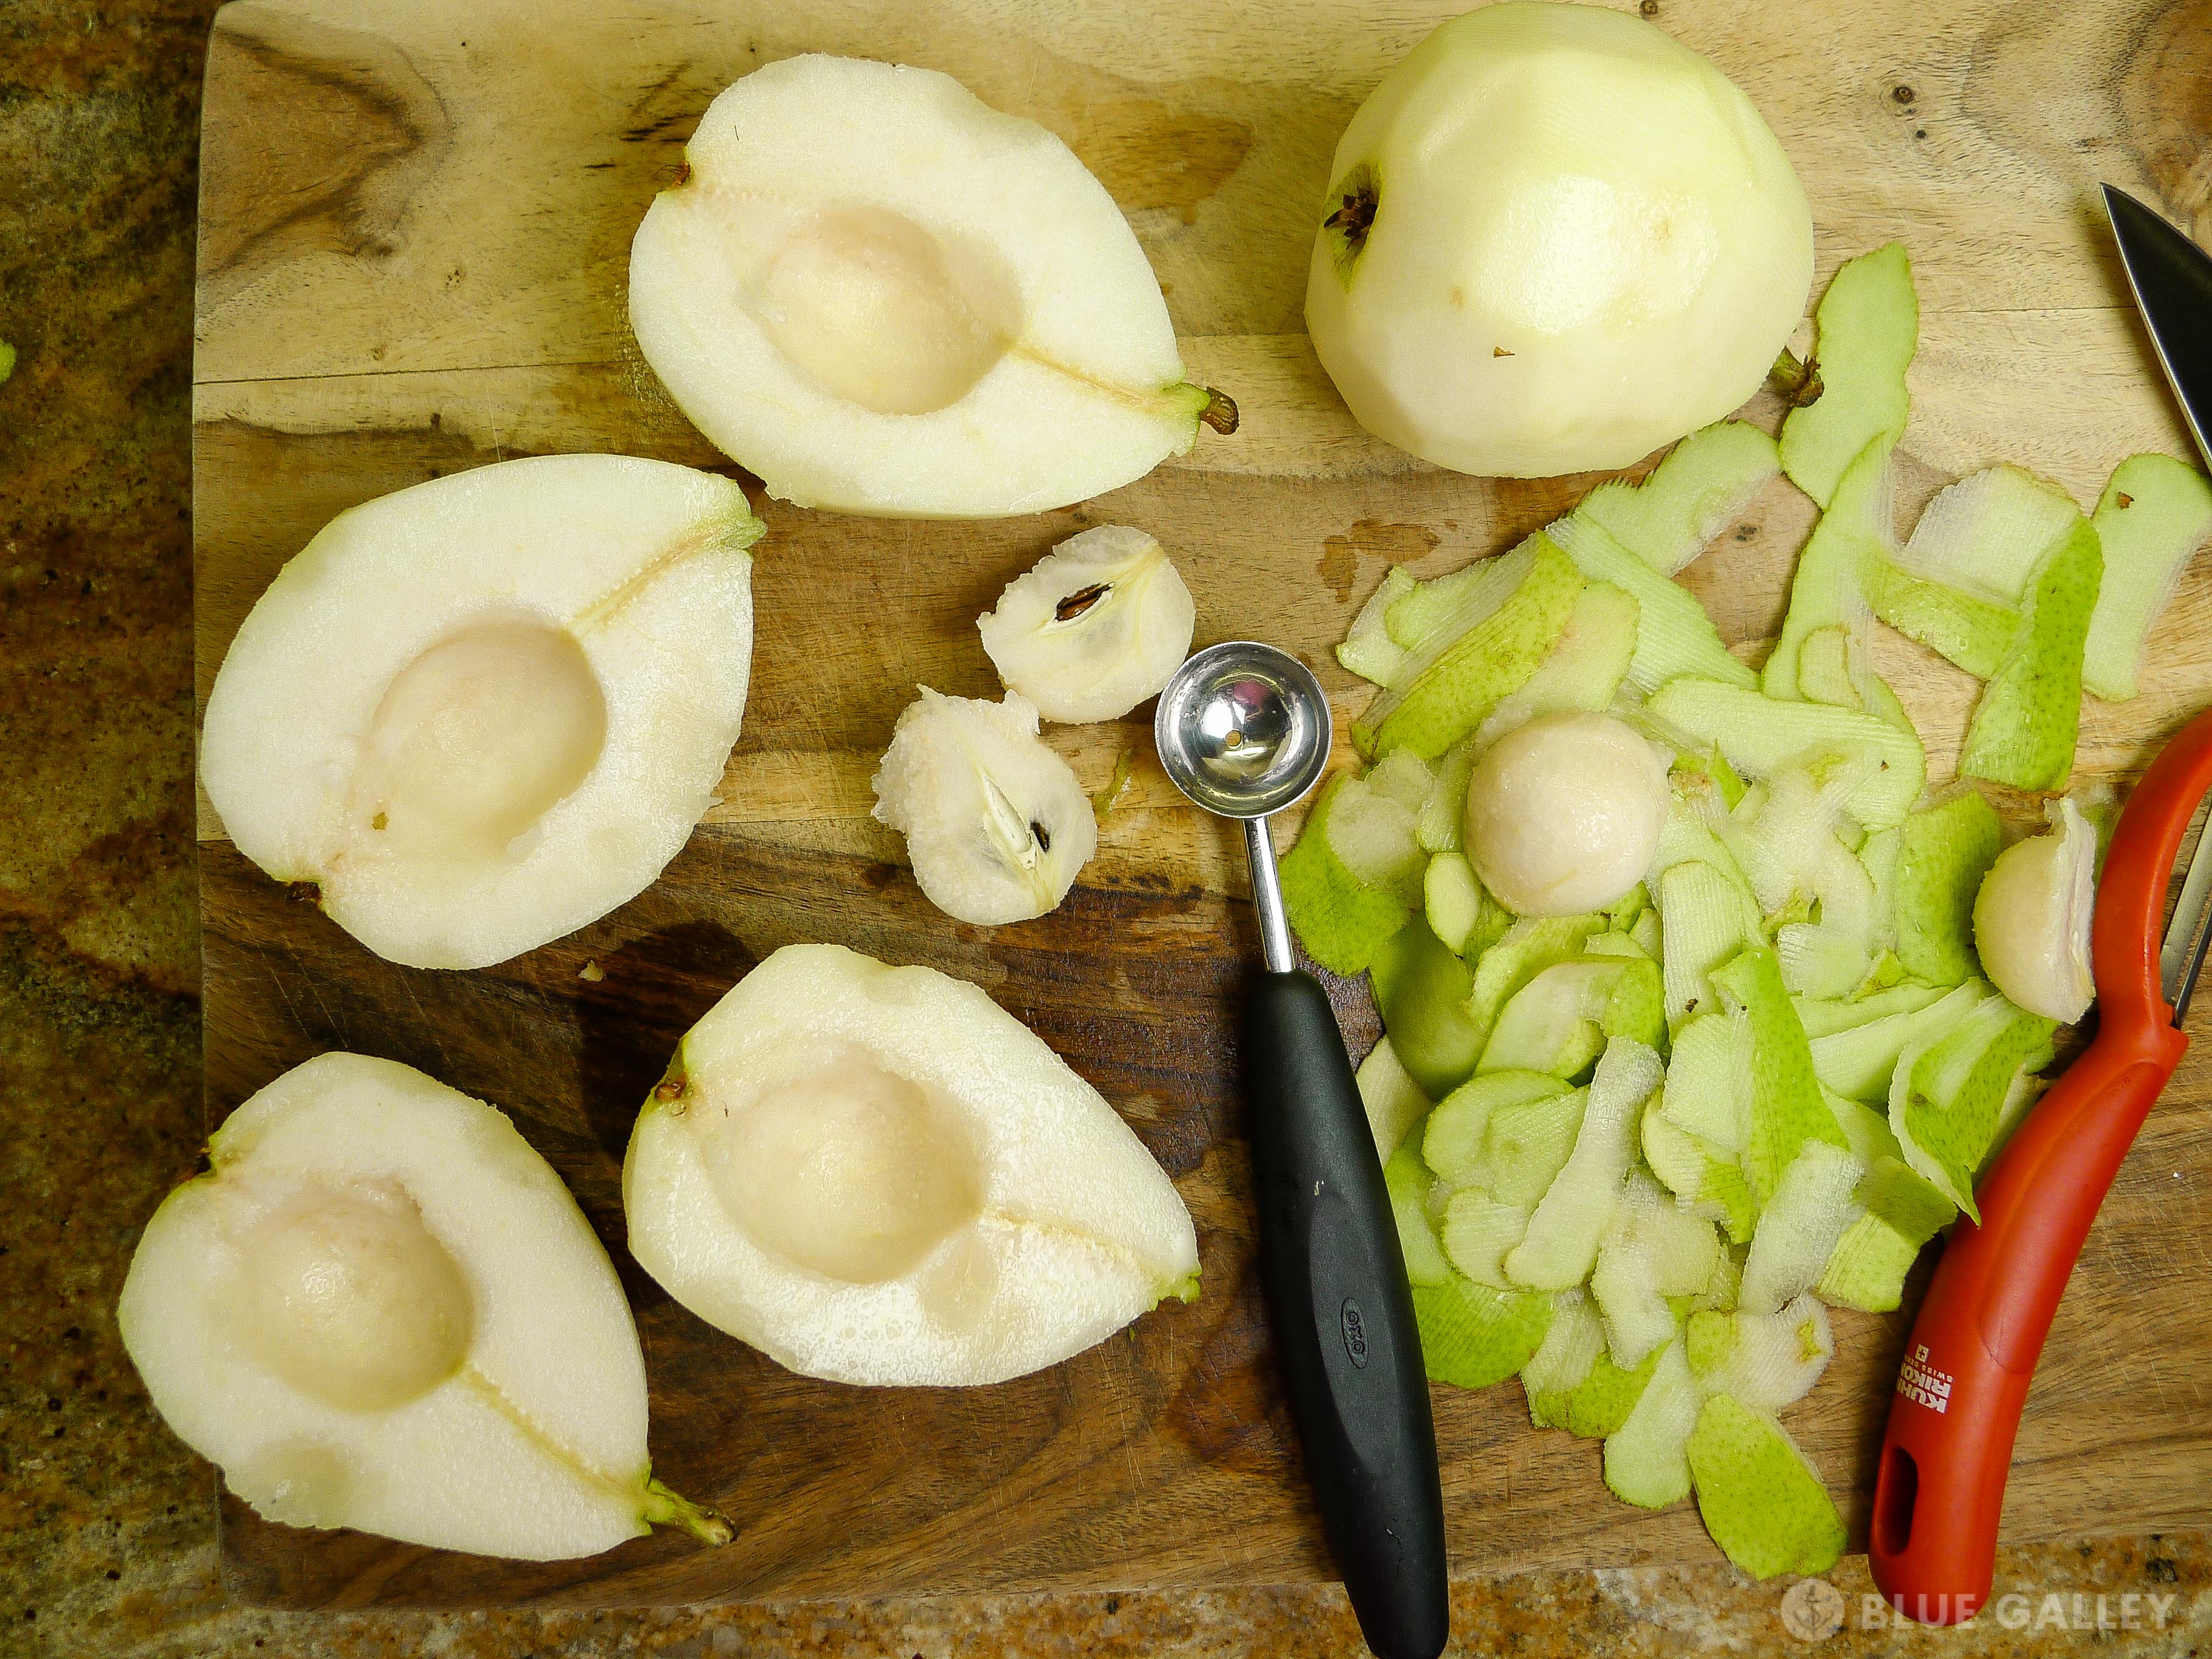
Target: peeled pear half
<point x="481" y="711"/>
<point x="883" y="296"/>
<point x="379" y="1309"/>
<point x="877" y="1175"/>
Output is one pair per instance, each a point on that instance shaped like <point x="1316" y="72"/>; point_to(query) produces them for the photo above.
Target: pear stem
<point x="1220" y="411"/>
<point x="666" y="1508"/>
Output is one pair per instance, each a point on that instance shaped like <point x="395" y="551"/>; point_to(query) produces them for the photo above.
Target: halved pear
<point x="380" y="1308"/>
<point x="883" y="296"/>
<point x="877" y="1175"/>
<point x="481" y="712"/>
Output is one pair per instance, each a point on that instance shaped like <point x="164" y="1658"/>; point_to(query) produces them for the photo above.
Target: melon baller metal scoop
<point x="1243" y="730"/>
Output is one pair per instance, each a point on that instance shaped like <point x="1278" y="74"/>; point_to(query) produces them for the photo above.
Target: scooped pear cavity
<point x="1564" y="814"/>
<point x="1099" y="625"/>
<point x="883" y="297"/>
<point x="379" y="1309"/>
<point x="877" y="1175"/>
<point x="2032" y="918"/>
<point x="1554" y="240"/>
<point x="996" y="825"/>
<point x="481" y="711"/>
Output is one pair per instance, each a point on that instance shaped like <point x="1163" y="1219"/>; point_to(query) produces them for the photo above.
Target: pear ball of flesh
<point x="2032" y="918"/>
<point x="380" y="1308"/>
<point x="883" y="296"/>
<point x="1101" y="623"/>
<point x="1555" y="240"/>
<point x="877" y="1175"/>
<point x="479" y="712"/>
<point x="1564" y="814"/>
<point x="996" y="825"/>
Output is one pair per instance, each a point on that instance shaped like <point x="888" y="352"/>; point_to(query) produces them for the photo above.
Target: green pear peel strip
<point x="1342" y="922"/>
<point x="1568" y="1354"/>
<point x="1491" y="660"/>
<point x="1827" y="1015"/>
<point x="1942" y="854"/>
<point x="1653" y="1249"/>
<point x="1759" y="1496"/>
<point x="1406" y="1179"/>
<point x="1985" y="536"/>
<point x="1474" y="1336"/>
<point x="1559" y="1246"/>
<point x="1899" y="1212"/>
<point x="1421" y="990"/>
<point x="1703" y="1176"/>
<point x="1646" y="1459"/>
<point x="1673" y="635"/>
<point x="1368" y="650"/>
<point x="2154" y="515"/>
<point x="1602" y="1402"/>
<point x="1527" y="948"/>
<point x="1946" y="1094"/>
<point x="1461" y="913"/>
<point x="1760" y="736"/>
<point x="1768" y="1361"/>
<point x="1786" y="1108"/>
<point x="1583" y="672"/>
<point x="2024" y="727"/>
<point x="1826" y="588"/>
<point x="1478" y="1234"/>
<point x="1430" y="616"/>
<point x="1972" y="632"/>
<point x="1394" y="1101"/>
<point x="1799" y="1225"/>
<point x="1528" y="1143"/>
<point x="1858" y="1062"/>
<point x="1443" y="821"/>
<point x="1868" y="327"/>
<point x="1705" y="482"/>
<point x="1453" y="1140"/>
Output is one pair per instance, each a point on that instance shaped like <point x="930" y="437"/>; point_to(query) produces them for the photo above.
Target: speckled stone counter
<point x="107" y="1525"/>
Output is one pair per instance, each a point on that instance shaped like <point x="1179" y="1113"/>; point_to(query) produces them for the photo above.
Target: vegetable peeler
<point x="1939" y="1485"/>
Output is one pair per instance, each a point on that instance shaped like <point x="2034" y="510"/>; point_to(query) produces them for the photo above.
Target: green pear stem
<point x="666" y="1508"/>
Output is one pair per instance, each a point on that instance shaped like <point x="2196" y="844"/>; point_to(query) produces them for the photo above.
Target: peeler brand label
<point x="1922" y="1383"/>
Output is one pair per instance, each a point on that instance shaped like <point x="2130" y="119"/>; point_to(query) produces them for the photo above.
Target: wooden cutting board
<point x="415" y="226"/>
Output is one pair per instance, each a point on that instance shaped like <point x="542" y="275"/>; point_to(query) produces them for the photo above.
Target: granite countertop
<point x="107" y="1524"/>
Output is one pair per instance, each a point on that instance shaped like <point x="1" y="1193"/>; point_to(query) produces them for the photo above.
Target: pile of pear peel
<point x="1701" y="1014"/>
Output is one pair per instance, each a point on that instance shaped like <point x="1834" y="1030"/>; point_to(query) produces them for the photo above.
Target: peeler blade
<point x="2181" y="956"/>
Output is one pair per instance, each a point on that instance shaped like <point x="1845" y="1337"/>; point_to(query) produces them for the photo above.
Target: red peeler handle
<point x="1939" y="1485"/>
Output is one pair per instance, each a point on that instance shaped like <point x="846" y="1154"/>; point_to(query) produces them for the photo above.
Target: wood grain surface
<point x="414" y="229"/>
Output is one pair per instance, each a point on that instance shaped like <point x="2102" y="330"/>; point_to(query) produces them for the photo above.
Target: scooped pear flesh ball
<point x="481" y="711"/>
<point x="2033" y="917"/>
<point x="1554" y="241"/>
<point x="883" y="296"/>
<point x="877" y="1175"/>
<point x="379" y="1309"/>
<point x="1564" y="814"/>
<point x="1101" y="623"/>
<point x="996" y="824"/>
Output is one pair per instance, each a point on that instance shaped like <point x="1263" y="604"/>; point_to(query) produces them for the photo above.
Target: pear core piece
<point x="1564" y="814"/>
<point x="380" y="1308"/>
<point x="479" y="712"/>
<point x="1102" y="623"/>
<point x="2032" y="918"/>
<point x="877" y="1175"/>
<point x="1554" y="240"/>
<point x="883" y="296"/>
<point x="996" y="824"/>
<point x="346" y="1295"/>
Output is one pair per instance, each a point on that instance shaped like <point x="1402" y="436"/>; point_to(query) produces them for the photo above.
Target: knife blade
<point x="2171" y="277"/>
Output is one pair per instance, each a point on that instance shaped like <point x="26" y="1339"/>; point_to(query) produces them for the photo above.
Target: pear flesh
<point x="481" y="711"/>
<point x="876" y="1175"/>
<point x="380" y="1308"/>
<point x="883" y="296"/>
